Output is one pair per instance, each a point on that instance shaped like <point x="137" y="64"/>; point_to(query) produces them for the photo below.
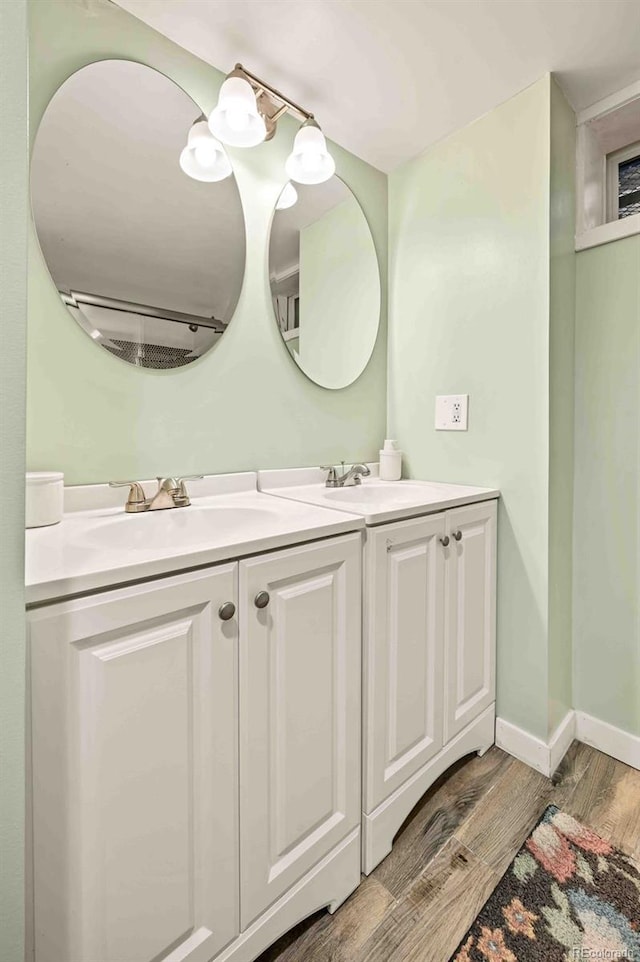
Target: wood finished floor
<point x="452" y="851"/>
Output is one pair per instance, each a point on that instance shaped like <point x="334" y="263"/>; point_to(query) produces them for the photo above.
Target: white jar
<point x="44" y="498"/>
<point x="390" y="461"/>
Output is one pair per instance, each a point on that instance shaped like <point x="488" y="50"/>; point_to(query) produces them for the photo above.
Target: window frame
<point x="613" y="161"/>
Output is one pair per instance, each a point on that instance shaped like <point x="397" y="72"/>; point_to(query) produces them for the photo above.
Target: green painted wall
<point x="339" y="295"/>
<point x="482" y="287"/>
<point x="607" y="485"/>
<point x="562" y="307"/>
<point x="246" y="404"/>
<point x="14" y="206"/>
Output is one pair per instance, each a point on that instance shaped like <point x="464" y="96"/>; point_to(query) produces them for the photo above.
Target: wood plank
<point x="439" y="813"/>
<point x="571" y="769"/>
<point x="607" y="799"/>
<point x="500" y="823"/>
<point x="505" y="815"/>
<point x="429" y="922"/>
<point x="338" y="937"/>
<point x="453" y="850"/>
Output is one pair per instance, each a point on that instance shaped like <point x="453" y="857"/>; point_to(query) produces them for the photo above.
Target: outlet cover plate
<point x="452" y="412"/>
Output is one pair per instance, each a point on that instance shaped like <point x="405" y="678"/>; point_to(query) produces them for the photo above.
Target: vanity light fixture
<point x="310" y="162"/>
<point x="236" y="120"/>
<point x="247" y="113"/>
<point x="287" y="198"/>
<point x="204" y="157"/>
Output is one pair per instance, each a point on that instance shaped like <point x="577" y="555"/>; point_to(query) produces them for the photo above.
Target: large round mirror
<point x="325" y="282"/>
<point x="143" y="235"/>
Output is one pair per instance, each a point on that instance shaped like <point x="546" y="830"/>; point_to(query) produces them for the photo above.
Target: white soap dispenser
<point x="390" y="461"/>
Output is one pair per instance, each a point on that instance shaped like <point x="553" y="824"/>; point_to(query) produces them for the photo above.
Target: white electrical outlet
<point x="452" y="412"/>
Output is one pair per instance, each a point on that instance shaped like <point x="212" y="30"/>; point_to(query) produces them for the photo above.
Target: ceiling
<point x="387" y="78"/>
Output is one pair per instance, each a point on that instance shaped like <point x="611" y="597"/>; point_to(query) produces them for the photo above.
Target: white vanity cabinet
<point x="404" y="621"/>
<point x="470" y="614"/>
<point x="429" y="658"/>
<point x="134" y="761"/>
<point x="300" y="713"/>
<point x="196" y="781"/>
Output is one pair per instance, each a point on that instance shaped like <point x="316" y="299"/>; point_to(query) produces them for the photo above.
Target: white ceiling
<point x="387" y="78"/>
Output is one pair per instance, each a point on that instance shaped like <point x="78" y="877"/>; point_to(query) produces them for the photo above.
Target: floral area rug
<point x="567" y="895"/>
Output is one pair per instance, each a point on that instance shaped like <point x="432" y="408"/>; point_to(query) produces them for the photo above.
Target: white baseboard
<point x="543" y="756"/>
<point x="546" y="756"/>
<point x="560" y="741"/>
<point x="608" y="739"/>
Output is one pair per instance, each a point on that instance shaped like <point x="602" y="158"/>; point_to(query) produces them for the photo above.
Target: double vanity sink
<point x="235" y="705"/>
<point x="233" y="515"/>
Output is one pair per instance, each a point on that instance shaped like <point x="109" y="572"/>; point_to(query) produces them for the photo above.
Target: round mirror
<point x="325" y="282"/>
<point x="138" y="214"/>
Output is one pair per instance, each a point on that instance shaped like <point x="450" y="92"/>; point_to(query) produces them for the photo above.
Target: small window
<point x="623" y="182"/>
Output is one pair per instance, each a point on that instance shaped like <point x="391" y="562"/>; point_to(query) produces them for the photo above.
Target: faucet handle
<point x="181" y="496"/>
<point x="332" y="477"/>
<point x="167" y="484"/>
<point x="136" y="500"/>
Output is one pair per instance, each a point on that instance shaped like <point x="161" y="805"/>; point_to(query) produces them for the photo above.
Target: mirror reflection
<point x="138" y="214"/>
<point x="325" y="282"/>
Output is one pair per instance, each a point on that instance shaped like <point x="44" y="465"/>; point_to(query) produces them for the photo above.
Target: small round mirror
<point x="138" y="214"/>
<point x="325" y="282"/>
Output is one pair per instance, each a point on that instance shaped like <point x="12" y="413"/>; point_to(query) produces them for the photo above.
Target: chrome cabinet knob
<point x="262" y="599"/>
<point x="226" y="611"/>
<point x="445" y="541"/>
<point x="457" y="535"/>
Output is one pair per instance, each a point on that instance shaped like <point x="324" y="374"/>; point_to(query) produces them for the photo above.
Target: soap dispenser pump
<point x="390" y="461"/>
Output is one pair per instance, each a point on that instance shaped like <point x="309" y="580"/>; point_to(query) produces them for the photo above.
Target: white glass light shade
<point x="310" y="162"/>
<point x="236" y="120"/>
<point x="287" y="198"/>
<point x="204" y="158"/>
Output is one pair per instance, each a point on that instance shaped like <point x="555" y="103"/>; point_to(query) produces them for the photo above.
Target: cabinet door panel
<point x="403" y="652"/>
<point x="470" y="613"/>
<point x="299" y="713"/>
<point x="134" y="773"/>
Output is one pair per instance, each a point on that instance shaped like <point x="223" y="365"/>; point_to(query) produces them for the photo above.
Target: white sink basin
<point x="98" y="545"/>
<point x="157" y="530"/>
<point x="378" y="492"/>
<point x="374" y="500"/>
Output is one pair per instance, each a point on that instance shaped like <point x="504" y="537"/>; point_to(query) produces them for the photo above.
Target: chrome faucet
<point x="347" y="479"/>
<point x="171" y="493"/>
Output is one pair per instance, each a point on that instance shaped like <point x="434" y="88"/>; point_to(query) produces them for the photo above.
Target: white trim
<point x="605" y="233"/>
<point x="613" y="161"/>
<point x="543" y="756"/>
<point x="546" y="756"/>
<point x="522" y="745"/>
<point x="612" y="102"/>
<point x="560" y="741"/>
<point x="608" y="739"/>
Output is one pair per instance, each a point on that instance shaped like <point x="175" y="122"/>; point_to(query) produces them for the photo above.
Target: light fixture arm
<point x="247" y="114"/>
<point x="260" y="86"/>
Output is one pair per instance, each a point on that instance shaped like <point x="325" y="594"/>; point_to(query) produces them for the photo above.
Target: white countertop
<point x="376" y="501"/>
<point x="101" y="546"/>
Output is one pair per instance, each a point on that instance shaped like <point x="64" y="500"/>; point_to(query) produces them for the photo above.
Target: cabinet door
<point x="404" y="595"/>
<point x="300" y="699"/>
<point x="470" y="629"/>
<point x="134" y="773"/>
